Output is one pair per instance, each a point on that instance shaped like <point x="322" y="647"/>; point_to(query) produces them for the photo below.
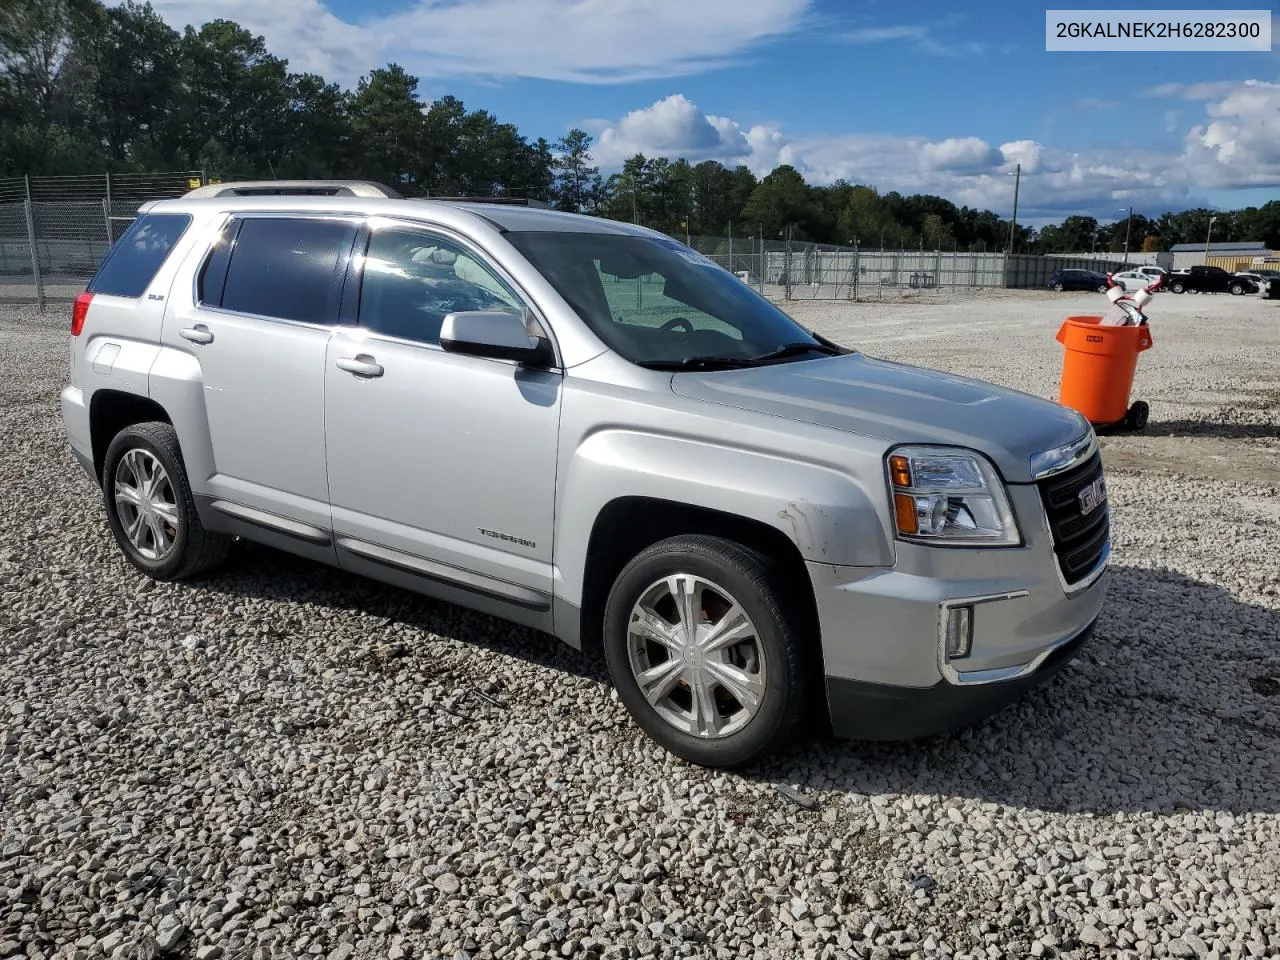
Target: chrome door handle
<point x="197" y="334"/>
<point x="361" y="365"/>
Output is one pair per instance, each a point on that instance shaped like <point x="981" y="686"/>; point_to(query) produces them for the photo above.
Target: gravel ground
<point x="281" y="761"/>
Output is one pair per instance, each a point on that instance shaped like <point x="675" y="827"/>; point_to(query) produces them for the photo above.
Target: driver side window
<point x="411" y="280"/>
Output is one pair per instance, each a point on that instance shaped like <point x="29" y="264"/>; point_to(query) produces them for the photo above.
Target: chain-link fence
<point x="54" y="231"/>
<point x="796" y="270"/>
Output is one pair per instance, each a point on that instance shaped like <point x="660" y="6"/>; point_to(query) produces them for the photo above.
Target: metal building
<point x="1230" y="256"/>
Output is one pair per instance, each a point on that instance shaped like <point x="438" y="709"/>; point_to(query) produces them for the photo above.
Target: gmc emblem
<point x="1092" y="496"/>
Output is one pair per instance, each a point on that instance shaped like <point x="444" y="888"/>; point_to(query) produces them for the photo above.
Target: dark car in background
<point x="1209" y="279"/>
<point x="1078" y="280"/>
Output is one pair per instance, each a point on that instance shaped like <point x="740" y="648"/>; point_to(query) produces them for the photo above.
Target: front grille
<point x="1079" y="538"/>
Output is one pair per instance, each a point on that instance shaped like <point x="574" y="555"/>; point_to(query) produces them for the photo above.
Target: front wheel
<point x="1102" y="288"/>
<point x="703" y="651"/>
<point x="150" y="508"/>
<point x="1059" y="287"/>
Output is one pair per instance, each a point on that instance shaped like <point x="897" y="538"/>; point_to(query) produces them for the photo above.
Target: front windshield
<point x="657" y="302"/>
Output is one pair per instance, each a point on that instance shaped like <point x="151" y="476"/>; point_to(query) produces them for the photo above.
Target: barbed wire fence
<point x="55" y="231"/>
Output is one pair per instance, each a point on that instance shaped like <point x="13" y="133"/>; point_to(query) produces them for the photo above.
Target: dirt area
<point x="1212" y="378"/>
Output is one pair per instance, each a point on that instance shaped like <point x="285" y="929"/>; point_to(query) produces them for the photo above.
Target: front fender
<point x="827" y="514"/>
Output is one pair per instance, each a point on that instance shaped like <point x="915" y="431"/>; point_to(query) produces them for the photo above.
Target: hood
<point x="898" y="404"/>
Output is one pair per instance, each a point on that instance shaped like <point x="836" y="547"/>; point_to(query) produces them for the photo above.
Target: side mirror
<point x="497" y="334"/>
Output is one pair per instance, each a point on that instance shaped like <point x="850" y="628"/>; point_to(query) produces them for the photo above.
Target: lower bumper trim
<point x="874" y="711"/>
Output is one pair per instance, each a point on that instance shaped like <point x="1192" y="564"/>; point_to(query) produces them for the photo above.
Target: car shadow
<point x="1211" y="429"/>
<point x="1174" y="703"/>
<point x="260" y="572"/>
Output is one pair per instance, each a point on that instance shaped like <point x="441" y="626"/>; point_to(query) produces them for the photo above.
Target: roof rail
<point x="293" y="188"/>
<point x="509" y="201"/>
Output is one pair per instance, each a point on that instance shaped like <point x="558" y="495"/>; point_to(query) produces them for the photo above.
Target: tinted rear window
<point x="137" y="256"/>
<point x="287" y="268"/>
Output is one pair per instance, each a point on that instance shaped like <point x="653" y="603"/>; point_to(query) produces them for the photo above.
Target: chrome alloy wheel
<point x="696" y="656"/>
<point x="146" y="504"/>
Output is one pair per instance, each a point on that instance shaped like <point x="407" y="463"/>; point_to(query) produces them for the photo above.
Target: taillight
<point x="80" y="310"/>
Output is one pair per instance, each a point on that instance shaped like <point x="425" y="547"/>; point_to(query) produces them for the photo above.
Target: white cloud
<point x="1192" y="91"/>
<point x="1025" y="152"/>
<point x="924" y="37"/>
<point x="581" y="41"/>
<point x="1238" y="145"/>
<point x="959" y="155"/>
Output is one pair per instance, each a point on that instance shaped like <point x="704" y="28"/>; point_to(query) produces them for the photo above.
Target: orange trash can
<point x="1098" y="368"/>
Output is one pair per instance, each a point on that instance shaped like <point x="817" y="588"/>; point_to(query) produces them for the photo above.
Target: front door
<point x="441" y="467"/>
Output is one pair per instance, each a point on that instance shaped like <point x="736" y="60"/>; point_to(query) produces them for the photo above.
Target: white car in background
<point x="1261" y="281"/>
<point x="1133" y="280"/>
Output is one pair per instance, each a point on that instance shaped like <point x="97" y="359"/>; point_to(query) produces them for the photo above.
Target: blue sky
<point x="913" y="96"/>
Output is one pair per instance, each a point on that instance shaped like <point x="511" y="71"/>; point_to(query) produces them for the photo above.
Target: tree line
<point x="86" y="88"/>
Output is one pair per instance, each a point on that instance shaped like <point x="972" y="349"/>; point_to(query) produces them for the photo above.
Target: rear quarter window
<point x="136" y="258"/>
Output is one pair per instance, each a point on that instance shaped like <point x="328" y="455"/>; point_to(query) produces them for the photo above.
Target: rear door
<point x="264" y="307"/>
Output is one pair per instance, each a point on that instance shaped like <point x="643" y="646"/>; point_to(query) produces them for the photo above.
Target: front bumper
<point x="873" y="711"/>
<point x="883" y="630"/>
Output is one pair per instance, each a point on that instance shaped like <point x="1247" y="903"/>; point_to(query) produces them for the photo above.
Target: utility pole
<point x="1206" y="239"/>
<point x="1013" y="225"/>
<point x="1128" y="223"/>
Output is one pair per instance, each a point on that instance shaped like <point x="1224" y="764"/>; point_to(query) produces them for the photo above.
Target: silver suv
<point x="586" y="427"/>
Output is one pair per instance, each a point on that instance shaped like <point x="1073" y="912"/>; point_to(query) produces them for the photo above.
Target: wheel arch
<point x="629" y="524"/>
<point x="110" y="411"/>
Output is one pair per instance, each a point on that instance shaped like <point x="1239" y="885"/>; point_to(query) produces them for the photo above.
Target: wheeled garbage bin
<point x="1097" y="371"/>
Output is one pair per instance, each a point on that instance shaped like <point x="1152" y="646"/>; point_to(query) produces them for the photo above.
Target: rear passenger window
<point x="287" y="269"/>
<point x="137" y="256"/>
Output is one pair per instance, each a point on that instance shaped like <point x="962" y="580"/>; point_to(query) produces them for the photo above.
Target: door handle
<point x="197" y="334"/>
<point x="361" y="365"/>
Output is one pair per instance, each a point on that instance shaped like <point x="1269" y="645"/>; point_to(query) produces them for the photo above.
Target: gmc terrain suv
<point x="586" y="427"/>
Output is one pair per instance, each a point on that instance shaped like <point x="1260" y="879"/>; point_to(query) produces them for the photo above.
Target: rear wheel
<point x="1178" y="287"/>
<point x="703" y="651"/>
<point x="150" y="508"/>
<point x="1102" y="288"/>
<point x="1237" y="289"/>
<point x="1059" y="287"/>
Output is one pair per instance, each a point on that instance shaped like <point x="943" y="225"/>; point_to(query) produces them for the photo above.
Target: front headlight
<point x="949" y="497"/>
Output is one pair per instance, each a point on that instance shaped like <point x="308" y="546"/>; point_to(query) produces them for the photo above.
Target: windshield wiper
<point x="699" y="363"/>
<point x="794" y="350"/>
<point x="726" y="363"/>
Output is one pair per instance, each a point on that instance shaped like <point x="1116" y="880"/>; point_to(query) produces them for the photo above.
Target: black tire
<point x="1237" y="290"/>
<point x="193" y="549"/>
<point x="1139" y="412"/>
<point x="1059" y="287"/>
<point x="760" y="589"/>
<point x="1177" y="288"/>
<point x="1102" y="288"/>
